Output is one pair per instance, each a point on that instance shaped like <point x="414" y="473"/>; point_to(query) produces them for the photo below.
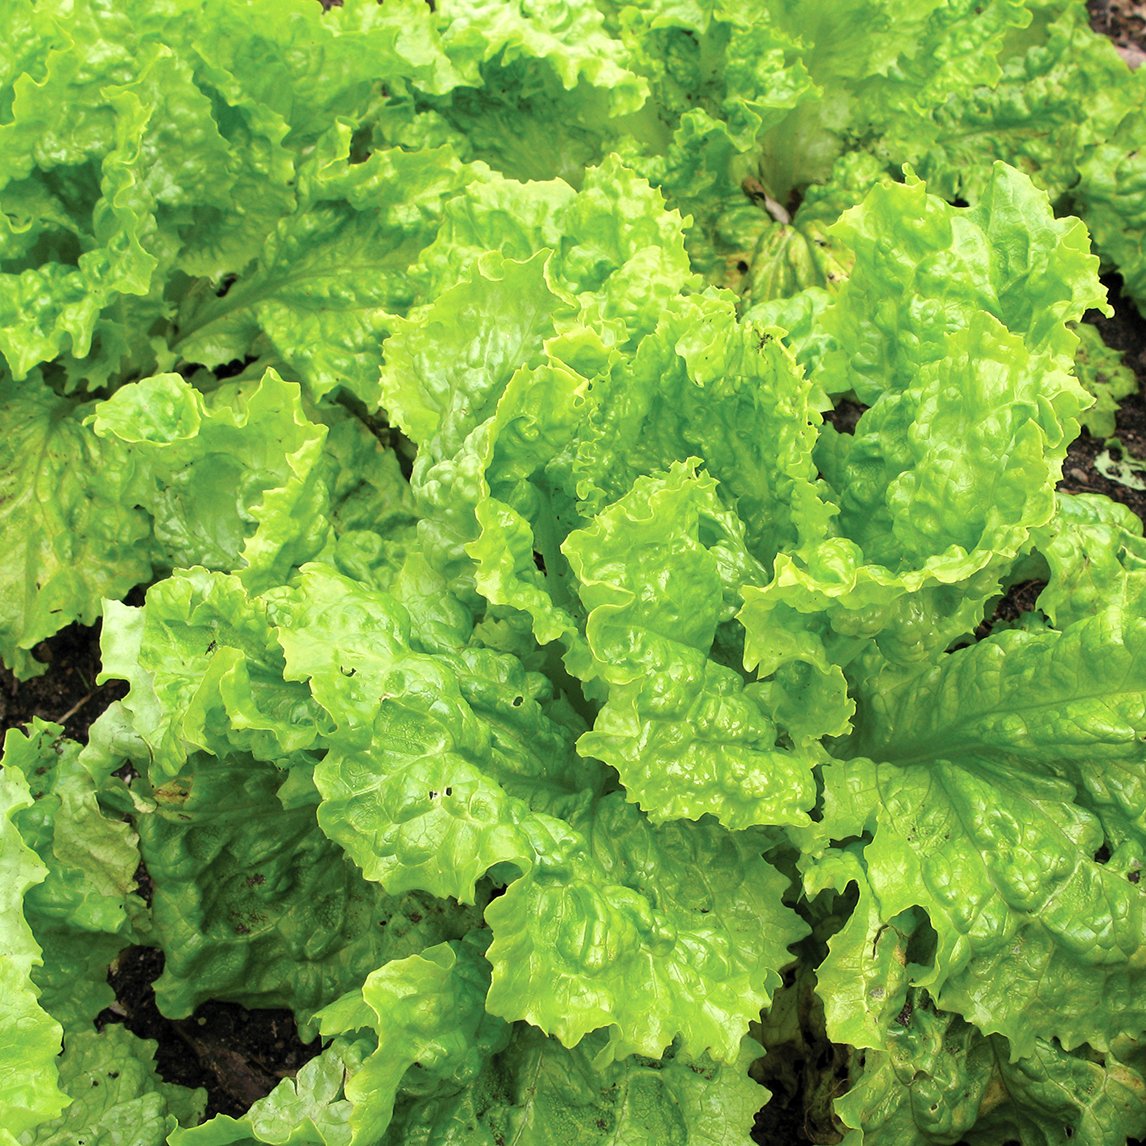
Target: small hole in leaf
<point x="1103" y="854"/>
<point x="518" y="701"/>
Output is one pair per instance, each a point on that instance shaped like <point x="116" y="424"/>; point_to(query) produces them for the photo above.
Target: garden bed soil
<point x="1124" y="21"/>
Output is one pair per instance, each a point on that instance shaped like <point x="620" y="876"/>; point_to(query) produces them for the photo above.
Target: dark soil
<point x="1126" y="331"/>
<point x="236" y="1054"/>
<point x="67" y="693"/>
<point x="1124" y="21"/>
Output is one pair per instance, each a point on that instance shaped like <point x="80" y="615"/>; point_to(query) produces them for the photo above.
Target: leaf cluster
<point x="538" y="689"/>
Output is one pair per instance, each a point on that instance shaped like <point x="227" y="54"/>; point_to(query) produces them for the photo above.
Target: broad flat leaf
<point x="1007" y="255"/>
<point x="494" y="321"/>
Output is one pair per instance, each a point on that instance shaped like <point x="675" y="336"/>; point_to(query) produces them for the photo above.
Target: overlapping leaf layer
<point x="531" y="679"/>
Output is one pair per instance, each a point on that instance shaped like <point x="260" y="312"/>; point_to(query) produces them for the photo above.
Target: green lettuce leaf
<point x="876" y="64"/>
<point x="431" y="788"/>
<point x="73" y="534"/>
<point x="1009" y="811"/>
<point x="118" y="1098"/>
<point x="1103" y="374"/>
<point x="722" y="78"/>
<point x="1024" y="111"/>
<point x="206" y="675"/>
<point x="1112" y="193"/>
<point x="153" y="157"/>
<point x="539" y="1091"/>
<point x="421" y="1062"/>
<point x="569" y="39"/>
<point x="939" y="1079"/>
<point x="613" y="914"/>
<point x="936" y="338"/>
<point x="686" y="735"/>
<point x="29" y="1080"/>
<point x="429" y="1013"/>
<point x="333" y="275"/>
<point x="460" y="772"/>
<point x="85" y="911"/>
<point x="233" y="481"/>
<point x="114" y="135"/>
<point x="254" y="904"/>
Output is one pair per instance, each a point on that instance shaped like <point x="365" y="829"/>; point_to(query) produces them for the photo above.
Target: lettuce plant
<point x="537" y="689"/>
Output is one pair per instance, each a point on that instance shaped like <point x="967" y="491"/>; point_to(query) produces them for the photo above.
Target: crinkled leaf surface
<point x="422" y="1062"/>
<point x="29" y="1088"/>
<point x="83" y="914"/>
<point x="332" y="277"/>
<point x="436" y="758"/>
<point x="118" y="1098"/>
<point x="233" y="482"/>
<point x="685" y="734"/>
<point x="1003" y="797"/>
<point x="73" y="533"/>
<point x="642" y="625"/>
<point x="939" y="1077"/>
<point x="254" y="904"/>
<point x="616" y="915"/>
<point x="206" y="675"/>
